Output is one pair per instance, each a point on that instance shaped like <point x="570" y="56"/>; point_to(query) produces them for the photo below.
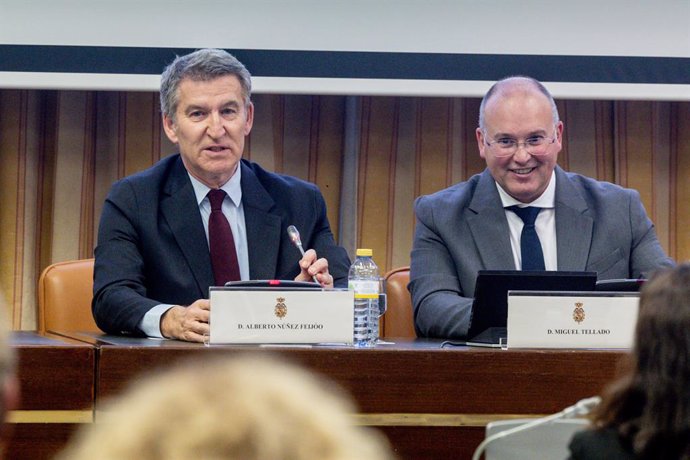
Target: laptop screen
<point x="490" y="306"/>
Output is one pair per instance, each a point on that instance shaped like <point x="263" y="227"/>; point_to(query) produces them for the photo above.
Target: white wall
<point x="566" y="28"/>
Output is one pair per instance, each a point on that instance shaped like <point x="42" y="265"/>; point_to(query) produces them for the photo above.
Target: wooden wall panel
<point x="32" y="119"/>
<point x="662" y="181"/>
<point x="643" y="158"/>
<point x="45" y="158"/>
<point x="327" y="139"/>
<point x="473" y="163"/>
<point x="296" y="136"/>
<point x="12" y="199"/>
<point x="402" y="195"/>
<point x="587" y="138"/>
<point x="140" y="126"/>
<point x="579" y="140"/>
<point x="74" y="176"/>
<point x="376" y="158"/>
<point x="434" y="145"/>
<point x="634" y="151"/>
<point x="605" y="152"/>
<point x="109" y="157"/>
<point x="20" y="214"/>
<point x="680" y="170"/>
<point x="458" y="138"/>
<point x="264" y="144"/>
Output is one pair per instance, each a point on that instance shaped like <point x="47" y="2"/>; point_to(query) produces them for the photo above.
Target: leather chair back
<point x="65" y="291"/>
<point x="398" y="320"/>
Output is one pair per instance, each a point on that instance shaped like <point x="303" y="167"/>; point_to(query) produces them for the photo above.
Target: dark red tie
<point x="223" y="254"/>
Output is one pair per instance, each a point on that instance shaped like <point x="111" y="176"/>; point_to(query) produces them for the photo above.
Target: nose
<point x="521" y="155"/>
<point x="215" y="126"/>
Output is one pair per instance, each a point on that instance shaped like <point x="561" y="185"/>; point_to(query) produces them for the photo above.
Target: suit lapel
<point x="573" y="225"/>
<point x="181" y="211"/>
<point x="263" y="227"/>
<point x="489" y="226"/>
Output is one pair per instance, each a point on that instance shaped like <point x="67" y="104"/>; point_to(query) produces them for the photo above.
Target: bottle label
<point x="365" y="289"/>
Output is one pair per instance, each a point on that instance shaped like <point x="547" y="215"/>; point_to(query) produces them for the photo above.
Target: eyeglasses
<point x="534" y="145"/>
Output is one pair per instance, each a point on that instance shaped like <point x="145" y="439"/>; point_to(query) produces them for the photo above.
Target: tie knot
<point x="527" y="214"/>
<point x="216" y="198"/>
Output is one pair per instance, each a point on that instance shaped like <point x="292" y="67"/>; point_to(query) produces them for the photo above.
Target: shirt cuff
<point x="150" y="324"/>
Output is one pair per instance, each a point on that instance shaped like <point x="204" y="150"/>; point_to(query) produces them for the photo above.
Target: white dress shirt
<point x="545" y="224"/>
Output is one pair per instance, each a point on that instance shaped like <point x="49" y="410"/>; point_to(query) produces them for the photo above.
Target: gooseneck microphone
<point x="293" y="233"/>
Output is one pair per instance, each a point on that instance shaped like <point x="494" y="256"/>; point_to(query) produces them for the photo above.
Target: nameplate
<point x="571" y="319"/>
<point x="281" y="316"/>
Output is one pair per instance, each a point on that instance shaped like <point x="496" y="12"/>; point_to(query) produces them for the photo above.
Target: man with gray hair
<point x="204" y="216"/>
<point x="523" y="212"/>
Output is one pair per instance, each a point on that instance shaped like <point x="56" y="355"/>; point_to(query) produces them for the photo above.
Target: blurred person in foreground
<point x="581" y="224"/>
<point x="9" y="384"/>
<point x="204" y="216"/>
<point x="646" y="413"/>
<point x="240" y="408"/>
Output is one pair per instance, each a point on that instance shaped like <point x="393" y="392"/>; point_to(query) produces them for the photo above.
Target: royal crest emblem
<point x="579" y="312"/>
<point x="281" y="308"/>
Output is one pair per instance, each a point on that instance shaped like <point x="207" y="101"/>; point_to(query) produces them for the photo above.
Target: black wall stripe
<point x="342" y="64"/>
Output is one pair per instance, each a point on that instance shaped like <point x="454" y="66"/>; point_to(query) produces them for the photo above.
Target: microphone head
<point x="585" y="406"/>
<point x="294" y="235"/>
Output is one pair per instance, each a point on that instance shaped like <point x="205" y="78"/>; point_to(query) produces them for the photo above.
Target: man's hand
<point x="187" y="323"/>
<point x="312" y="267"/>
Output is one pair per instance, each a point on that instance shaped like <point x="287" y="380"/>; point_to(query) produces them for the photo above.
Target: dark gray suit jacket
<point x="600" y="227"/>
<point x="604" y="444"/>
<point x="152" y="248"/>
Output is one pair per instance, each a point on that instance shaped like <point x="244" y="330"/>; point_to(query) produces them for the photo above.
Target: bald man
<point x="581" y="224"/>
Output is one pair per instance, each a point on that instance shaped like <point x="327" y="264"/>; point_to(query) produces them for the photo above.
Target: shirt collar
<point x="232" y="187"/>
<point x="546" y="200"/>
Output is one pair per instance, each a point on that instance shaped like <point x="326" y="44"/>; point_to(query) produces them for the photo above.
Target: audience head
<point x="519" y="136"/>
<point x="650" y="406"/>
<point x="662" y="338"/>
<point x="201" y="65"/>
<point x="247" y="408"/>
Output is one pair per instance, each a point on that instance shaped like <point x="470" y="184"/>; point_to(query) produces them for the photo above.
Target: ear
<point x="170" y="128"/>
<point x="559" y="135"/>
<point x="249" y="122"/>
<point x="480" y="142"/>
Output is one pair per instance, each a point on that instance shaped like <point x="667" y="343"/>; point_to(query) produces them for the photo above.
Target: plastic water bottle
<point x="363" y="278"/>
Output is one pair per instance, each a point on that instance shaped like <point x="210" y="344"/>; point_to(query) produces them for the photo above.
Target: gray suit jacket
<point x="600" y="227"/>
<point x="152" y="248"/>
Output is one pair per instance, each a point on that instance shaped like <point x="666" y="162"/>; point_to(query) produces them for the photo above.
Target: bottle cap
<point x="364" y="252"/>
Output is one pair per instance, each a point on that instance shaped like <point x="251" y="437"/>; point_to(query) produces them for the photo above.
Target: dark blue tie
<point x="530" y="247"/>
